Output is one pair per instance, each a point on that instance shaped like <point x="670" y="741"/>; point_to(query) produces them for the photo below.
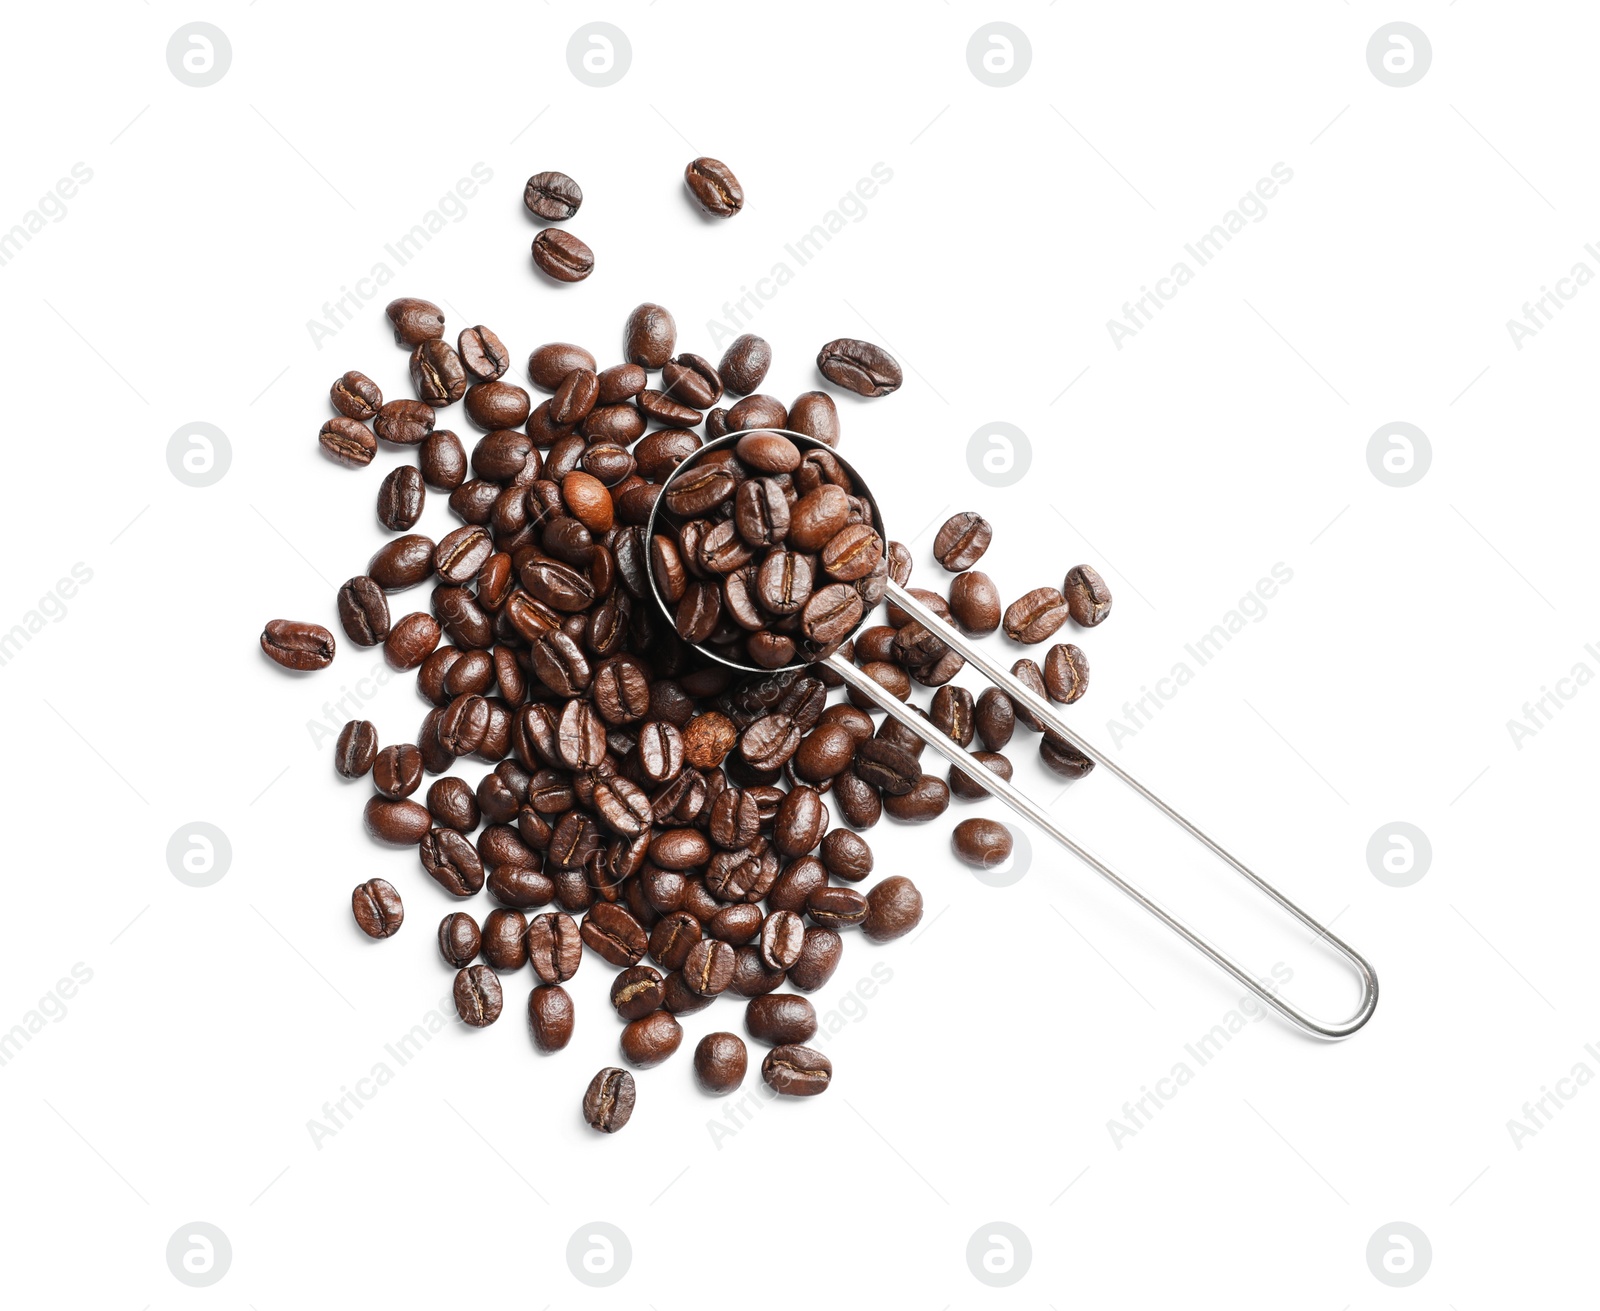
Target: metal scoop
<point x="1019" y="801"/>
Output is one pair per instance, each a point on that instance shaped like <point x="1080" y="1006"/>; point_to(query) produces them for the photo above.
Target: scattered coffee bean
<point x="550" y="1017"/>
<point x="962" y="540"/>
<point x="720" y="1061"/>
<point x="648" y="1041"/>
<point x="553" y="197"/>
<point x="894" y="908"/>
<point x="560" y="255"/>
<point x="297" y="645"/>
<point x="797" y="1071"/>
<point x="377" y="908"/>
<point x="1088" y="597"/>
<point x="349" y="442"/>
<point x="1066" y="673"/>
<point x="609" y="1100"/>
<point x="779" y="1018"/>
<point x="745" y="363"/>
<point x="415" y="321"/>
<point x="1035" y="616"/>
<point x="459" y="940"/>
<point x="355" y="749"/>
<point x="982" y="843"/>
<point x="714" y="187"/>
<point x="859" y="366"/>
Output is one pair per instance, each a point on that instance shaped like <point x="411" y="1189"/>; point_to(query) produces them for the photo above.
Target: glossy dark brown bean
<point x="782" y="936"/>
<point x="975" y="603"/>
<point x="483" y="354"/>
<point x="1028" y="673"/>
<point x="355" y="749"/>
<point x="814" y="414"/>
<point x="550" y="1017"/>
<point x="561" y="256"/>
<point x="966" y="788"/>
<point x="608" y="1102"/>
<point x="1035" y="615"/>
<point x="797" y="1071"/>
<point x="894" y="908"/>
<point x="363" y="611"/>
<point x="348" y="442"/>
<point x="459" y="940"/>
<point x="402" y="563"/>
<point x="443" y="460"/>
<point x="859" y="366"/>
<point x="356" y="396"/>
<point x="927" y="799"/>
<point x="479" y="999"/>
<point x="397" y="771"/>
<point x="745" y="363"/>
<point x="552" y="362"/>
<point x="651" y="1039"/>
<point x="836" y="908"/>
<point x="714" y="187"/>
<point x="497" y="405"/>
<point x="1063" y="758"/>
<point x="555" y="946"/>
<point x="846" y="855"/>
<point x="400" y="497"/>
<point x="551" y="196"/>
<point x="994" y="718"/>
<point x="298" y="645"/>
<point x="858" y="801"/>
<point x="720" y="1062"/>
<point x="780" y="1018"/>
<point x="981" y="843"/>
<point x="691" y="380"/>
<point x="819" y="958"/>
<point x="411" y="640"/>
<point x="832" y="614"/>
<point x="405" y="422"/>
<point x="961" y="541"/>
<point x="376" y="906"/>
<point x="414" y="321"/>
<point x="1088" y="597"/>
<point x="708" y="969"/>
<point x="649" y="336"/>
<point x="637" y="991"/>
<point x="1066" y="673"/>
<point x="613" y="933"/>
<point x="505" y="940"/>
<point x="437" y="373"/>
<point x="757" y="412"/>
<point x="452" y="862"/>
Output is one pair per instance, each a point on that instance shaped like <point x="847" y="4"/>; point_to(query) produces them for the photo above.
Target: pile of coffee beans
<point x="638" y="800"/>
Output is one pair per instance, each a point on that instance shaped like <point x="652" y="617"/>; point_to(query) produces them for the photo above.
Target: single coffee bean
<point x="560" y="255"/>
<point x="356" y="396"/>
<point x="400" y="497"/>
<point x="479" y="1000"/>
<point x="637" y="991"/>
<point x="796" y="1071"/>
<point x="975" y="603"/>
<point x="824" y="753"/>
<point x="736" y="925"/>
<point x="714" y="187"/>
<point x="836" y="908"/>
<point x="649" y="336"/>
<point x="691" y="380"/>
<point x="402" y="563"/>
<point x="648" y="1041"/>
<point x="550" y="1017"/>
<point x="621" y="382"/>
<point x="612" y="932"/>
<point x="780" y="1018"/>
<point x="801" y="821"/>
<point x="437" y="373"/>
<point x="708" y="969"/>
<point x="680" y="999"/>
<point x="982" y="843"/>
<point x="495" y="406"/>
<point x="553" y="197"/>
<point x="928" y="798"/>
<point x="832" y="614"/>
<point x="405" y="422"/>
<point x="609" y="1100"/>
<point x="814" y="414"/>
<point x="483" y="354"/>
<point x="1035" y="615"/>
<point x="348" y="442"/>
<point x="745" y="363"/>
<point x="1063" y="758"/>
<point x="846" y="855"/>
<point x="411" y="640"/>
<point x="377" y="908"/>
<point x="966" y="788"/>
<point x="1088" y="597"/>
<point x="782" y="936"/>
<point x="549" y="364"/>
<point x="505" y="939"/>
<point x="555" y="946"/>
<point x="355" y="749"/>
<point x="962" y="540"/>
<point x="720" y="1062"/>
<point x="1066" y="673"/>
<point x="415" y="321"/>
<point x="443" y="460"/>
<point x="752" y="976"/>
<point x="888" y="767"/>
<point x="994" y="718"/>
<point x="859" y="366"/>
<point x="297" y="645"/>
<point x="520" y="887"/>
<point x="459" y="940"/>
<point x="894" y="908"/>
<point x="819" y="958"/>
<point x="451" y="861"/>
<point x="397" y="771"/>
<point x="461" y="553"/>
<point x="1028" y="673"/>
<point x="363" y="611"/>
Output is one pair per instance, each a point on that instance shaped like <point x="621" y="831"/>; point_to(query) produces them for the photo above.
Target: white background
<point x="1230" y="435"/>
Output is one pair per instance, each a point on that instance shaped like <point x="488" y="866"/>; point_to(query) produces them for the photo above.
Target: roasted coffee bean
<point x="824" y="752"/>
<point x="637" y="991"/>
<point x="550" y="1017"/>
<point x="859" y="801"/>
<point x="505" y="940"/>
<point x="819" y="958"/>
<point x="437" y="373"/>
<point x="443" y="460"/>
<point x="672" y="938"/>
<point x="551" y="363"/>
<point x="459" y="940"/>
<point x="415" y="321"/>
<point x="888" y="767"/>
<point x="796" y="1071"/>
<point x="962" y="540"/>
<point x="745" y="363"/>
<point x="348" y="442"/>
<point x="561" y="256"/>
<point x="553" y="197"/>
<point x="377" y="908"/>
<point x="397" y="771"/>
<point x="816" y="517"/>
<point x="785" y="580"/>
<point x="797" y="882"/>
<point x="1035" y="616"/>
<point x="400" y="497"/>
<point x="482" y="353"/>
<point x="649" y="336"/>
<point x="1066" y="673"/>
<point x="952" y="713"/>
<point x="814" y="414"/>
<point x="451" y="861"/>
<point x="680" y="849"/>
<point x="297" y="645"/>
<point x="1028" y="673"/>
<point x="1063" y="758"/>
<point x="736" y="925"/>
<point x="520" y="887"/>
<point x="994" y="718"/>
<point x="609" y="1100"/>
<point x="757" y="412"/>
<point x="894" y="908"/>
<point x="752" y="976"/>
<point x="982" y="843"/>
<point x="405" y="422"/>
<point x="363" y="611"/>
<point x="402" y="563"/>
<point x="836" y="908"/>
<point x="963" y="786"/>
<point x="720" y="1062"/>
<point x="574" y="398"/>
<point x="708" y="969"/>
<point x="355" y="749"/>
<point x="555" y="946"/>
<point x="411" y="640"/>
<point x="859" y="366"/>
<point x="356" y="396"/>
<point x="769" y="742"/>
<point x="714" y="187"/>
<point x="691" y="380"/>
<point x="900" y="617"/>
<point x="801" y="821"/>
<point x="928" y="798"/>
<point x="1088" y="597"/>
<point x="846" y="855"/>
<point x="651" y="1039"/>
<point x="614" y="934"/>
<point x="782" y="936"/>
<point x="479" y="1000"/>
<point x="780" y="1018"/>
<point x="497" y="405"/>
<point x="975" y="603"/>
<point x="832" y="614"/>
